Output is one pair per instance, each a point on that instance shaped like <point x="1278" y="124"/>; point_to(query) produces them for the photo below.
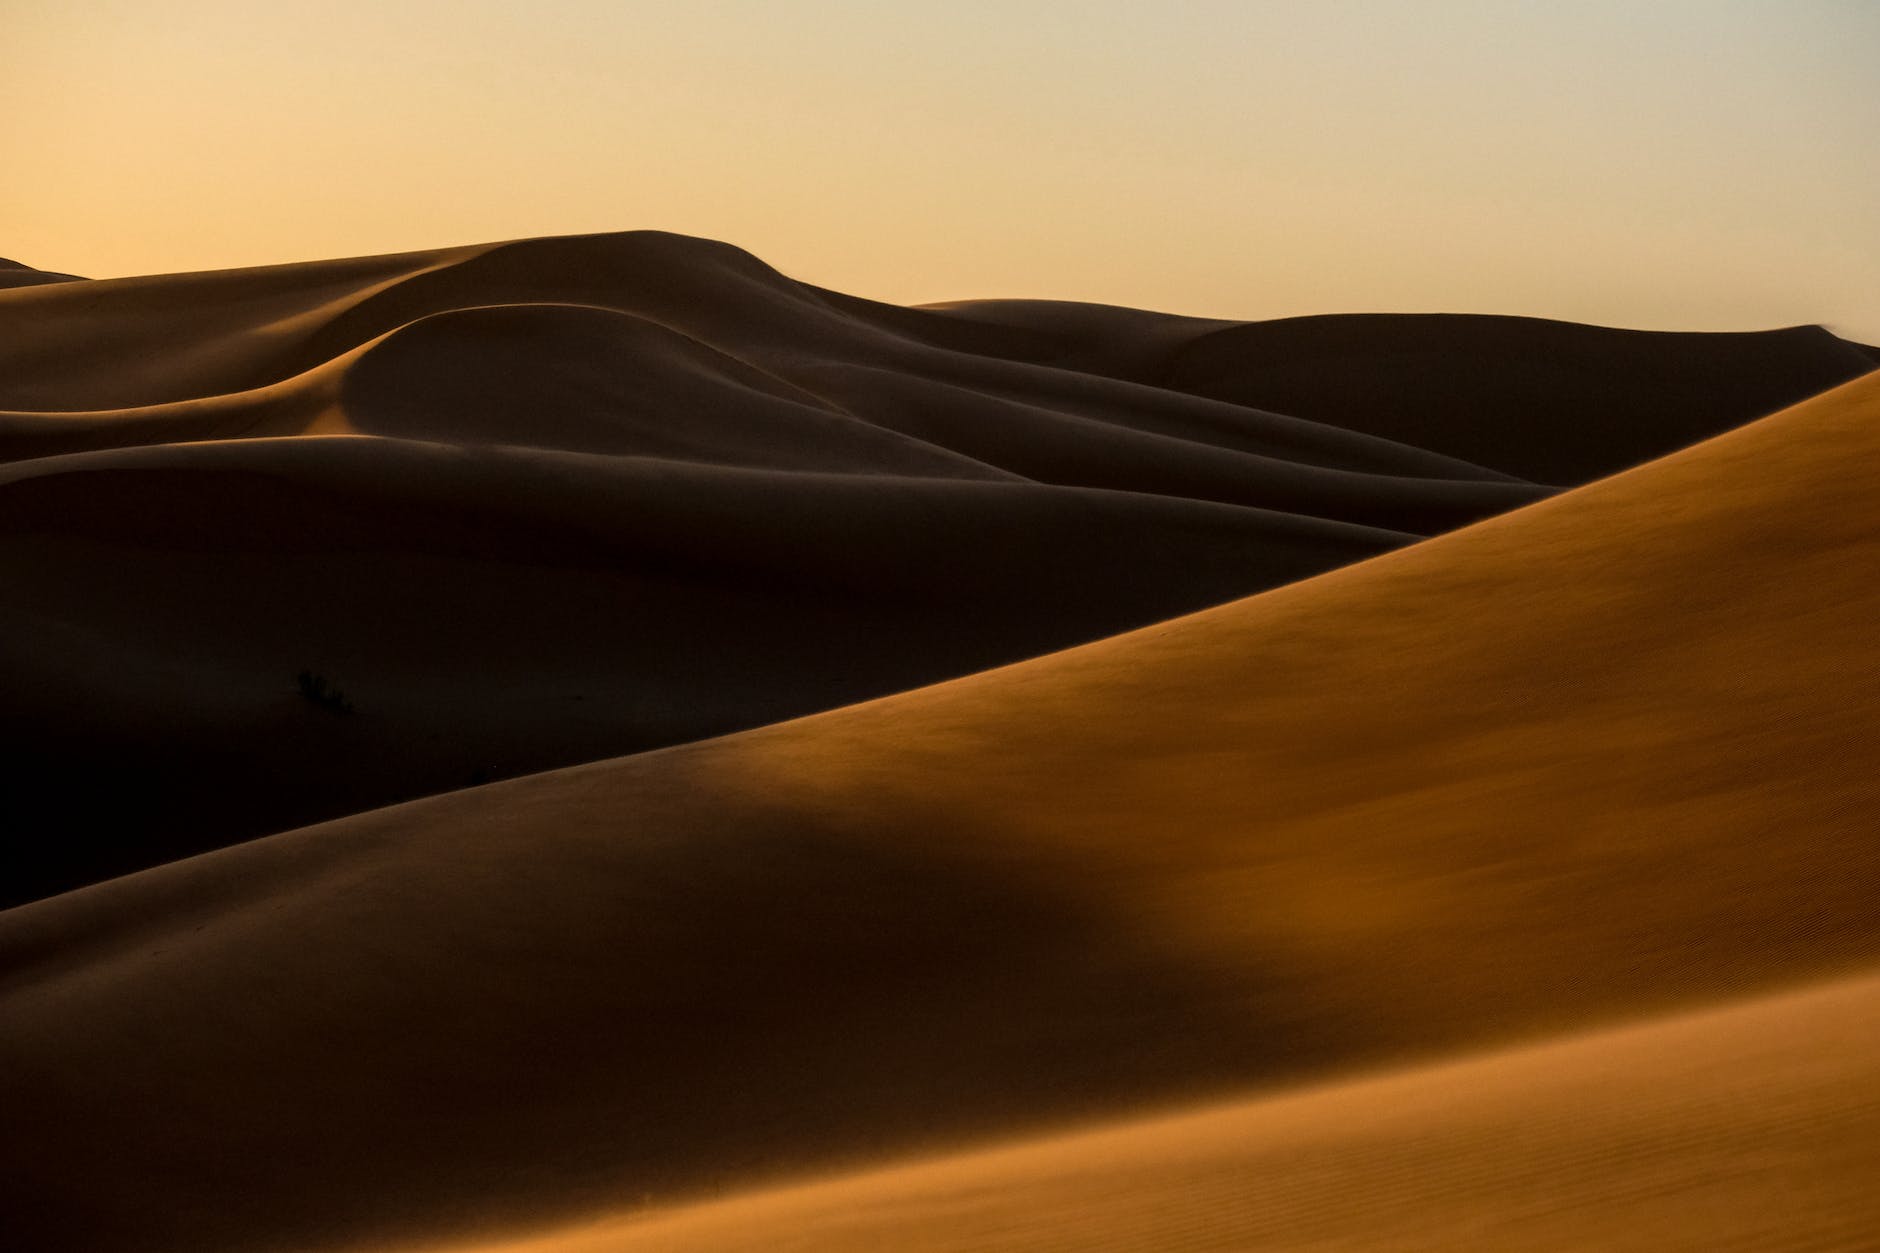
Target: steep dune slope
<point x="543" y="502"/>
<point x="1752" y="1127"/>
<point x="1603" y="756"/>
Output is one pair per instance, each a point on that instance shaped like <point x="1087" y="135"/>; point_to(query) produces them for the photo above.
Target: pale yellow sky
<point x="1701" y="164"/>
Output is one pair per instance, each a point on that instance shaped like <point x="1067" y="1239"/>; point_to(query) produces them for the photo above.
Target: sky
<point x="1675" y="164"/>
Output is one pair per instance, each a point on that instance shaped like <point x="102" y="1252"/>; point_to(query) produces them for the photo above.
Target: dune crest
<point x="552" y="501"/>
<point x="13" y="274"/>
<point x="1600" y="757"/>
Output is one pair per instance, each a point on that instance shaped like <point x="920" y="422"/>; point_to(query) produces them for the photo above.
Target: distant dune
<point x="539" y="503"/>
<point x="1548" y="401"/>
<point x="13" y="274"/>
<point x="1515" y="888"/>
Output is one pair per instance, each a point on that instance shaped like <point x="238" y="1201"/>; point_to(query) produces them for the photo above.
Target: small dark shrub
<point x="316" y="689"/>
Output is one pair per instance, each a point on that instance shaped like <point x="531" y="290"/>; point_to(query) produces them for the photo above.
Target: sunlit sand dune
<point x="1603" y="757"/>
<point x="1753" y="1127"/>
<point x="538" y="503"/>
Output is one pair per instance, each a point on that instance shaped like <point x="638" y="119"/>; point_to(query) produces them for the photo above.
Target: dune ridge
<point x="14" y="274"/>
<point x="1600" y="757"/>
<point x="556" y="500"/>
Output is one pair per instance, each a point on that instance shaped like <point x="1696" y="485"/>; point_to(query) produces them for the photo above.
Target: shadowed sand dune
<point x="1552" y="402"/>
<point x="13" y="274"/>
<point x="545" y="502"/>
<point x="1546" y="400"/>
<point x="1606" y="756"/>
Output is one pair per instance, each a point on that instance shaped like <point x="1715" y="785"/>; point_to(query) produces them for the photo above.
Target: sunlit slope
<point x="1600" y="757"/>
<point x="1755" y="1127"/>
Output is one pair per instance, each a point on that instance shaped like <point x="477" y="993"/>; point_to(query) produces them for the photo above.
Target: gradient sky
<point x="1699" y="164"/>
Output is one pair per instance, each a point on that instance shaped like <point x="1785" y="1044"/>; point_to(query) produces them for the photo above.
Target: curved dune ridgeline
<point x="1514" y="888"/>
<point x="545" y="502"/>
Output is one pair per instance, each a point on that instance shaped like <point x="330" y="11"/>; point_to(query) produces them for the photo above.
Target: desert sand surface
<point x="1501" y="874"/>
<point x="552" y="501"/>
<point x="1752" y="1127"/>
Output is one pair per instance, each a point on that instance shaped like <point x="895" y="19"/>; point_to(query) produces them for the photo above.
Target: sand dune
<point x="1553" y="402"/>
<point x="1550" y="401"/>
<point x="1604" y="756"/>
<point x="1756" y="1126"/>
<point x="13" y="274"/>
<point x="538" y="503"/>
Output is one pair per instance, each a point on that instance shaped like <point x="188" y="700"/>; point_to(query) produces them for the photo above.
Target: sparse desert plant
<point x="317" y="689"/>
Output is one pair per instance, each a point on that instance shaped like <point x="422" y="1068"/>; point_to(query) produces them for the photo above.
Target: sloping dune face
<point x="1753" y="1127"/>
<point x="1603" y="757"/>
<point x="538" y="503"/>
